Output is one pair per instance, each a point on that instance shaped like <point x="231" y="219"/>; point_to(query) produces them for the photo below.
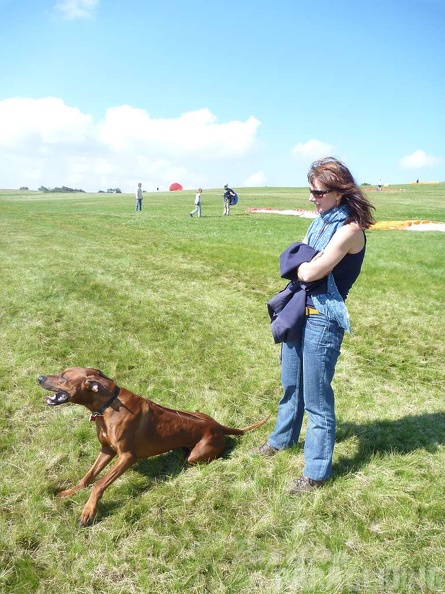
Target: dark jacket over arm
<point x="287" y="309"/>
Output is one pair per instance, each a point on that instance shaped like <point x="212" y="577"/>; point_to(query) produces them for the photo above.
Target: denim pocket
<point x="322" y="333"/>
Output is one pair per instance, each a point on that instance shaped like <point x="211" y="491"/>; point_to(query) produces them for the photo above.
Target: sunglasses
<point x="319" y="193"/>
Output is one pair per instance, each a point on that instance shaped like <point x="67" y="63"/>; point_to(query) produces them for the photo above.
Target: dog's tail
<point x="231" y="431"/>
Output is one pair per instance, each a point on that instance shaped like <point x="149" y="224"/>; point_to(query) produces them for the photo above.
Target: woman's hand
<point x="347" y="239"/>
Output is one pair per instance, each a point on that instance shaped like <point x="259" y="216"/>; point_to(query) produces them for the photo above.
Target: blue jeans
<point x="307" y="370"/>
<point x="138" y="204"/>
<point x="197" y="209"/>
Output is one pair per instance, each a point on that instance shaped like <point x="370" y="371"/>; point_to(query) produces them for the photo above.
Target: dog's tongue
<point x="58" y="398"/>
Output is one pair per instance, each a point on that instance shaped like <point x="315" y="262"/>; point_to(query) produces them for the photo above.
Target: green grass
<point x="175" y="309"/>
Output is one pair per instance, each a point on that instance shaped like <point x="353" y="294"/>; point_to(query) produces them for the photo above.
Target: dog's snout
<point x="40" y="379"/>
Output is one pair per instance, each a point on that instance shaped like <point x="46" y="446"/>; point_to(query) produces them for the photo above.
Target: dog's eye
<point x="62" y="378"/>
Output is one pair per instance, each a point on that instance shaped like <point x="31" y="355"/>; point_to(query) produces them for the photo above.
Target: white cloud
<point x="418" y="160"/>
<point x="46" y="142"/>
<point x="256" y="180"/>
<point x="76" y="9"/>
<point x="195" y="132"/>
<point x="42" y="121"/>
<point x="312" y="149"/>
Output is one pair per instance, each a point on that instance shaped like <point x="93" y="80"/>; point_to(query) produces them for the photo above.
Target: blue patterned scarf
<point x="319" y="234"/>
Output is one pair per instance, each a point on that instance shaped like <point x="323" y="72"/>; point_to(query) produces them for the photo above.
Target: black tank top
<point x="347" y="271"/>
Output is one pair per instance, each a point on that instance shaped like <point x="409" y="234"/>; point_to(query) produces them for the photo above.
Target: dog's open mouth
<point x="58" y="398"/>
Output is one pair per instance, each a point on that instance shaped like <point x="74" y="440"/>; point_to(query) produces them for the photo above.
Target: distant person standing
<point x="139" y="197"/>
<point x="228" y="195"/>
<point x="380" y="186"/>
<point x="197" y="208"/>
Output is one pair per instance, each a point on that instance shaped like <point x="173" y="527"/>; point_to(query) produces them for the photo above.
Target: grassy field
<point x="174" y="309"/>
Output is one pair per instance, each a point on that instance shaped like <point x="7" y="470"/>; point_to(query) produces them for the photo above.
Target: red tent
<point x="175" y="187"/>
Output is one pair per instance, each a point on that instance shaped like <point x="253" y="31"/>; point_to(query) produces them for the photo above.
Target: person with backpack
<point x="230" y="199"/>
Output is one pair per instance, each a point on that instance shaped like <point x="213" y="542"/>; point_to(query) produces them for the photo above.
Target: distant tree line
<point x="66" y="190"/>
<point x="61" y="190"/>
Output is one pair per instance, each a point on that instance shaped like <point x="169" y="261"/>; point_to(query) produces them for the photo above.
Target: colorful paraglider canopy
<point x="175" y="187"/>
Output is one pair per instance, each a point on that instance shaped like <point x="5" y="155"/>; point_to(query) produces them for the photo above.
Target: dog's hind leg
<point x="207" y="449"/>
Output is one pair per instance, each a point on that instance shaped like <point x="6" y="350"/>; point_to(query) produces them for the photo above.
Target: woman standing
<point x="308" y="363"/>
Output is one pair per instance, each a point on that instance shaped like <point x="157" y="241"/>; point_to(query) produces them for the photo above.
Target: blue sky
<point x="105" y="93"/>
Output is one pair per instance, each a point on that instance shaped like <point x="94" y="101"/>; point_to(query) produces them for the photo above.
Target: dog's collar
<point x="107" y="404"/>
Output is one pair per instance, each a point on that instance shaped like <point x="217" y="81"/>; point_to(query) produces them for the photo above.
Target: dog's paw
<point x="84" y="523"/>
<point x="67" y="492"/>
<point x="87" y="516"/>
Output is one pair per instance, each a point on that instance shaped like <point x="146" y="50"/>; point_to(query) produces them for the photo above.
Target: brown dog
<point x="132" y="428"/>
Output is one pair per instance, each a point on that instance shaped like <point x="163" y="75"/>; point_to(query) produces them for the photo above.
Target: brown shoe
<point x="265" y="450"/>
<point x="305" y="485"/>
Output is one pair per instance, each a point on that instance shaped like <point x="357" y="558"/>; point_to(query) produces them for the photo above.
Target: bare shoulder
<point x="351" y="236"/>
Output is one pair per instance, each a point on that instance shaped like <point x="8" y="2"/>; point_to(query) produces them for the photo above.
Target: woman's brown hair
<point x="335" y="175"/>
